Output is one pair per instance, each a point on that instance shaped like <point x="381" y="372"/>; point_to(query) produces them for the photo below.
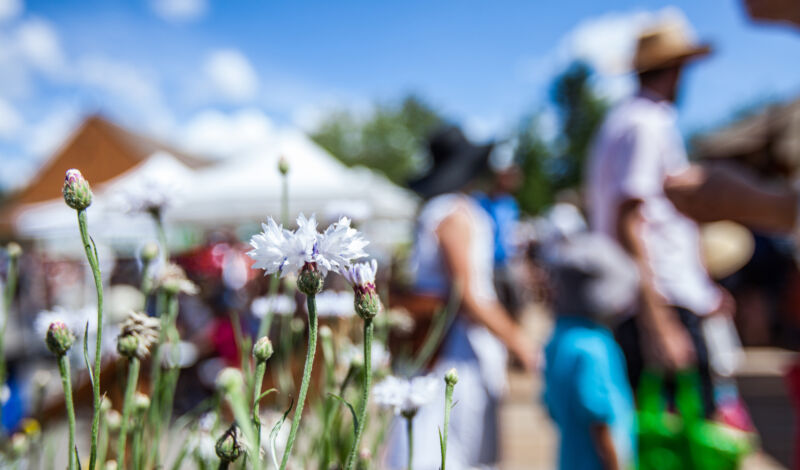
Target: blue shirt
<point x="504" y="211"/>
<point x="585" y="385"/>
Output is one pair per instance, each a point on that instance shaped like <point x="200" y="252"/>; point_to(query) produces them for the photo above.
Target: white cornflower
<point x="361" y="275"/>
<point x="340" y="245"/>
<point x="352" y="354"/>
<point x="278" y="305"/>
<point x="270" y="247"/>
<point x="172" y="278"/>
<point x="279" y="250"/>
<point x="335" y="304"/>
<point x="148" y="195"/>
<point x="405" y="396"/>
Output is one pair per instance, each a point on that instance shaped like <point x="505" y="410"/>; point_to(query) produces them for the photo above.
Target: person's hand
<point x="524" y="351"/>
<point x="666" y="342"/>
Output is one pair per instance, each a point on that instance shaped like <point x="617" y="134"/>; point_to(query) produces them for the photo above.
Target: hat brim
<point x="679" y="58"/>
<point x="453" y="174"/>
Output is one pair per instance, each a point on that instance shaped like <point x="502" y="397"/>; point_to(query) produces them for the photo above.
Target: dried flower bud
<point x="230" y="379"/>
<point x="59" y="338"/>
<point x="76" y="191"/>
<point x="262" y="350"/>
<point x="310" y="279"/>
<point x="174" y="281"/>
<point x="149" y="251"/>
<point x="451" y="377"/>
<point x="113" y="420"/>
<point x="229" y="446"/>
<point x="13" y="250"/>
<point x="138" y="333"/>
<point x="141" y="403"/>
<point x="105" y="404"/>
<point x="283" y="165"/>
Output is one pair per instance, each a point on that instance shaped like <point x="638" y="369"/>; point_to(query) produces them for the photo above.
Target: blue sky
<point x="190" y="70"/>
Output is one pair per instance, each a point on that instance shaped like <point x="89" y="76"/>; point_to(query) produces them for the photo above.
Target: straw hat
<point x="727" y="247"/>
<point x="667" y="43"/>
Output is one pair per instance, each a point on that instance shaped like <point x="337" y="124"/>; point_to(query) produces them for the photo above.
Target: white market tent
<point x="236" y="191"/>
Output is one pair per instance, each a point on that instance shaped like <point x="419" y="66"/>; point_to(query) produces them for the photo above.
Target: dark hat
<point x="455" y="162"/>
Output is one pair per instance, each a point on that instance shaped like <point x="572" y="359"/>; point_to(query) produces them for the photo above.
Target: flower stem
<point x="63" y="368"/>
<point x="127" y="404"/>
<point x="261" y="368"/>
<point x="448" y="405"/>
<point x="102" y="441"/>
<point x="91" y="255"/>
<point x="369" y="328"/>
<point x="410" y="434"/>
<point x="163" y="383"/>
<point x="301" y="398"/>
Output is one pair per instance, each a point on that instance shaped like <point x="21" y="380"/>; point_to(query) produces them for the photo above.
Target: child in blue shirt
<point x="586" y="387"/>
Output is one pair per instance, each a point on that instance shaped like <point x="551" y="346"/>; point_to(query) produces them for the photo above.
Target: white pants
<point x="473" y="438"/>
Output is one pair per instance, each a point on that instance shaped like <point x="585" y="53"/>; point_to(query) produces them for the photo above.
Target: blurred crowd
<point x="644" y="306"/>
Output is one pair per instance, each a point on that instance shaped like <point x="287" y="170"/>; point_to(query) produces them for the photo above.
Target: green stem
<point x="327" y="404"/>
<point x="163" y="386"/>
<point x="127" y="404"/>
<point x="285" y="199"/>
<point x="410" y="434"/>
<point x="301" y="398"/>
<point x="66" y="382"/>
<point x="261" y="368"/>
<point x="223" y="465"/>
<point x="136" y="448"/>
<point x="266" y="320"/>
<point x="102" y="442"/>
<point x="448" y="405"/>
<point x="162" y="235"/>
<point x="176" y="465"/>
<point x="88" y="247"/>
<point x="369" y="328"/>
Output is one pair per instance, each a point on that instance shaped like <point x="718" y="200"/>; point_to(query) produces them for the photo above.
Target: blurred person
<point x="637" y="148"/>
<point x="586" y="389"/>
<point x="454" y="255"/>
<point x="503" y="208"/>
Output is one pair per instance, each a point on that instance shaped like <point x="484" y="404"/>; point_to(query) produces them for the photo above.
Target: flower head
<point x="451" y="377"/>
<point x="174" y="281"/>
<point x="138" y="333"/>
<point x="277" y="250"/>
<point x="141" y="403"/>
<point x="229" y="446"/>
<point x="76" y="191"/>
<point x="230" y="379"/>
<point x="13" y="250"/>
<point x="405" y="396"/>
<point x="283" y="165"/>
<point x="262" y="350"/>
<point x="361" y="276"/>
<point x="59" y="338"/>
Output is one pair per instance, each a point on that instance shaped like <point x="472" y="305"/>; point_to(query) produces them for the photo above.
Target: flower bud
<point x="19" y="444"/>
<point x="262" y="350"/>
<point x="283" y="165"/>
<point x="367" y="303"/>
<point x="451" y="377"/>
<point x="141" y="403"/>
<point x="59" y="338"/>
<point x="13" y="250"/>
<point x="76" y="191"/>
<point x="128" y="345"/>
<point x="110" y="465"/>
<point x="105" y="404"/>
<point x="230" y="379"/>
<point x="297" y="325"/>
<point x="310" y="280"/>
<point x="113" y="420"/>
<point x="325" y="333"/>
<point x="228" y="446"/>
<point x="149" y="251"/>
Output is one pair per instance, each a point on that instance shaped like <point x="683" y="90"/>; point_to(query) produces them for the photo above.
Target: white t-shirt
<point x="637" y="147"/>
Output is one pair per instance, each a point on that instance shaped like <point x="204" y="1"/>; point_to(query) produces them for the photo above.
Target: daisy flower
<point x="405" y="396"/>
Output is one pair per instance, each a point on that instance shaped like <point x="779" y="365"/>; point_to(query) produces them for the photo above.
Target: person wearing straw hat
<point x="636" y="149"/>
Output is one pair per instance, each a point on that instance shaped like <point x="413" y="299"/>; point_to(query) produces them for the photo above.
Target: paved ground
<point x="528" y="438"/>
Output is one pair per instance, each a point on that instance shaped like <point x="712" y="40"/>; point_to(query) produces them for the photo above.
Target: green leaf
<point x="352" y="411"/>
<point x="86" y="354"/>
<point x="273" y="434"/>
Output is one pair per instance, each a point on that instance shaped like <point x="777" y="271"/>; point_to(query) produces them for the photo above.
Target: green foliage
<point x="389" y="140"/>
<point x="550" y="167"/>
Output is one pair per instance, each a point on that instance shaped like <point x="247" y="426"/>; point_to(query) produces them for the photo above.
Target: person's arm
<point x="454" y="234"/>
<point x="722" y="192"/>
<point x="604" y="444"/>
<point x="669" y="342"/>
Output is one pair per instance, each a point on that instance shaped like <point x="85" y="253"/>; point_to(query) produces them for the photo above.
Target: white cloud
<point x="39" y="46"/>
<point x="224" y="135"/>
<point x="231" y="75"/>
<point x="178" y="11"/>
<point x="607" y="43"/>
<point x="10" y="9"/>
<point x="10" y="120"/>
<point x="48" y="134"/>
